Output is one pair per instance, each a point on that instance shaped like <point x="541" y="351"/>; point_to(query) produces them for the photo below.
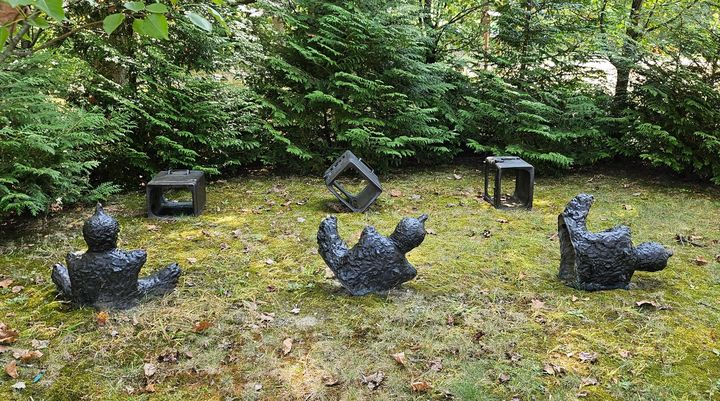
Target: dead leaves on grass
<point x="7" y="335"/>
<point x="11" y="369"/>
<point x="374" y="380"/>
<point x="287" y="346"/>
<point x="201" y="326"/>
<point x="649" y="304"/>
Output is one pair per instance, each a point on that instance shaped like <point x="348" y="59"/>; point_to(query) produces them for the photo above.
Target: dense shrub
<point x="48" y="149"/>
<point x="344" y="74"/>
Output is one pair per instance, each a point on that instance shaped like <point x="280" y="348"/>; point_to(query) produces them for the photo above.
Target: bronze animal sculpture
<point x="105" y="276"/>
<point x="605" y="260"/>
<point x="376" y="263"/>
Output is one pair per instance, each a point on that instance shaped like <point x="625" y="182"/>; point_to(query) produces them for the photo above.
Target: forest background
<point x="96" y="95"/>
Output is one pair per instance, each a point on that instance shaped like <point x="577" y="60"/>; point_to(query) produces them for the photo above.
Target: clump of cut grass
<point x="485" y="319"/>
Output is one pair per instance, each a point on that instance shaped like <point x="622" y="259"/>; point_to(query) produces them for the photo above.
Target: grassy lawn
<point x="485" y="319"/>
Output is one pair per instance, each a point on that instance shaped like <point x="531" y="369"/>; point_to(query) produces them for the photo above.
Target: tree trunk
<point x="628" y="57"/>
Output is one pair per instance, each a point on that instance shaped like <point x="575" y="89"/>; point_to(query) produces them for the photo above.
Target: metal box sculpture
<point x="356" y="202"/>
<point x="192" y="180"/>
<point x="376" y="263"/>
<point x="522" y="196"/>
<point x="105" y="276"/>
<point x="604" y="260"/>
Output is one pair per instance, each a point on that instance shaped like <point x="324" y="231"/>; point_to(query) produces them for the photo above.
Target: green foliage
<point x="555" y="128"/>
<point x="49" y="149"/>
<point x="352" y="75"/>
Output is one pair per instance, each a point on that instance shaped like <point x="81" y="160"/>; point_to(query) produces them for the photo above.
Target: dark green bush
<point x="48" y="148"/>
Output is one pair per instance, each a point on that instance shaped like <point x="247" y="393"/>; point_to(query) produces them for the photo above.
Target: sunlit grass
<point x="255" y="260"/>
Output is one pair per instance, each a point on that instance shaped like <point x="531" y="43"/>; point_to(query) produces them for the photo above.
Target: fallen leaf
<point x="648" y="304"/>
<point x="457" y="176"/>
<point x="588" y="381"/>
<point x="40" y="344"/>
<point x="19" y="386"/>
<point x="150" y="388"/>
<point x="627" y="207"/>
<point x="30" y="355"/>
<point x="700" y="261"/>
<point x="152" y="227"/>
<point x="6" y="283"/>
<point x="625" y="354"/>
<point x="295" y="310"/>
<point x="450" y="321"/>
<point x="588" y="357"/>
<point x="553" y="236"/>
<point x="435" y="365"/>
<point x="400" y="358"/>
<point x="169" y="356"/>
<point x="420" y="386"/>
<point x="149" y="369"/>
<point x="300" y="219"/>
<point x="192" y="261"/>
<point x="257" y="386"/>
<point x="17" y="289"/>
<point x="329" y="380"/>
<point x="201" y="326"/>
<point x="502" y="221"/>
<point x="537" y="304"/>
<point x="487" y="233"/>
<point x="7" y="335"/>
<point x="269" y="262"/>
<point x="513" y="356"/>
<point x="504" y="378"/>
<point x="224" y="246"/>
<point x="4" y="348"/>
<point x="11" y="369"/>
<point x="522" y="276"/>
<point x="267" y="317"/>
<point x="553" y="369"/>
<point x="374" y="380"/>
<point x="395" y="193"/>
<point x="236" y="233"/>
<point x="478" y="335"/>
<point x="329" y="274"/>
<point x="101" y="318"/>
<point x="430" y="231"/>
<point x="287" y="345"/>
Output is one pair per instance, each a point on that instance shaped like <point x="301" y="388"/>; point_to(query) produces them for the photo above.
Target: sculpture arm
<point x="330" y="246"/>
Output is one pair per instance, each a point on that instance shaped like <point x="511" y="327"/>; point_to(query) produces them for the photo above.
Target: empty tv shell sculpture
<point x="105" y="276"/>
<point x="605" y="260"/>
<point x="376" y="263"/>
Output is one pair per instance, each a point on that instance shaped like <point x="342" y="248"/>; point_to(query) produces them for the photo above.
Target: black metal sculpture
<point x="376" y="263"/>
<point x="605" y="260"/>
<point x="105" y="276"/>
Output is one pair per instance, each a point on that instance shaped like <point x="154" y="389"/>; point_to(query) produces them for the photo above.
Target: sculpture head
<point x="101" y="231"/>
<point x="651" y="256"/>
<point x="409" y="233"/>
<point x="579" y="207"/>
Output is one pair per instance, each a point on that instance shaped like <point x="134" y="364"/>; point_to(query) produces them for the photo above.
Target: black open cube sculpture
<point x="189" y="180"/>
<point x="522" y="196"/>
<point x="356" y="202"/>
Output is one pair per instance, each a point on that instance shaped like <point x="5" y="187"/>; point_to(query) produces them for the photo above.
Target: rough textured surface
<point x="376" y="263"/>
<point x="107" y="277"/>
<point x="605" y="260"/>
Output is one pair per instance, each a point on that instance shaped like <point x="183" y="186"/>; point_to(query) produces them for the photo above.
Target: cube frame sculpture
<point x="524" y="181"/>
<point x="361" y="201"/>
<point x="160" y="207"/>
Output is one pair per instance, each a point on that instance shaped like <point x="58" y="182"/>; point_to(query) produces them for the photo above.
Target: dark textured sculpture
<point x="605" y="260"/>
<point x="376" y="263"/>
<point x="105" y="276"/>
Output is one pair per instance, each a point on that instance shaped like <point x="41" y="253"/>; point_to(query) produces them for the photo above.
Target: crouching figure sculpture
<point x="605" y="260"/>
<point x="105" y="276"/>
<point x="376" y="263"/>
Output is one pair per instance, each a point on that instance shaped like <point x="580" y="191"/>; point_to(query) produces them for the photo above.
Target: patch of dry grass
<point x="466" y="324"/>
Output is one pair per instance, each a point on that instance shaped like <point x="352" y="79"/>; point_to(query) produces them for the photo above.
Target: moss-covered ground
<point x="486" y="318"/>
